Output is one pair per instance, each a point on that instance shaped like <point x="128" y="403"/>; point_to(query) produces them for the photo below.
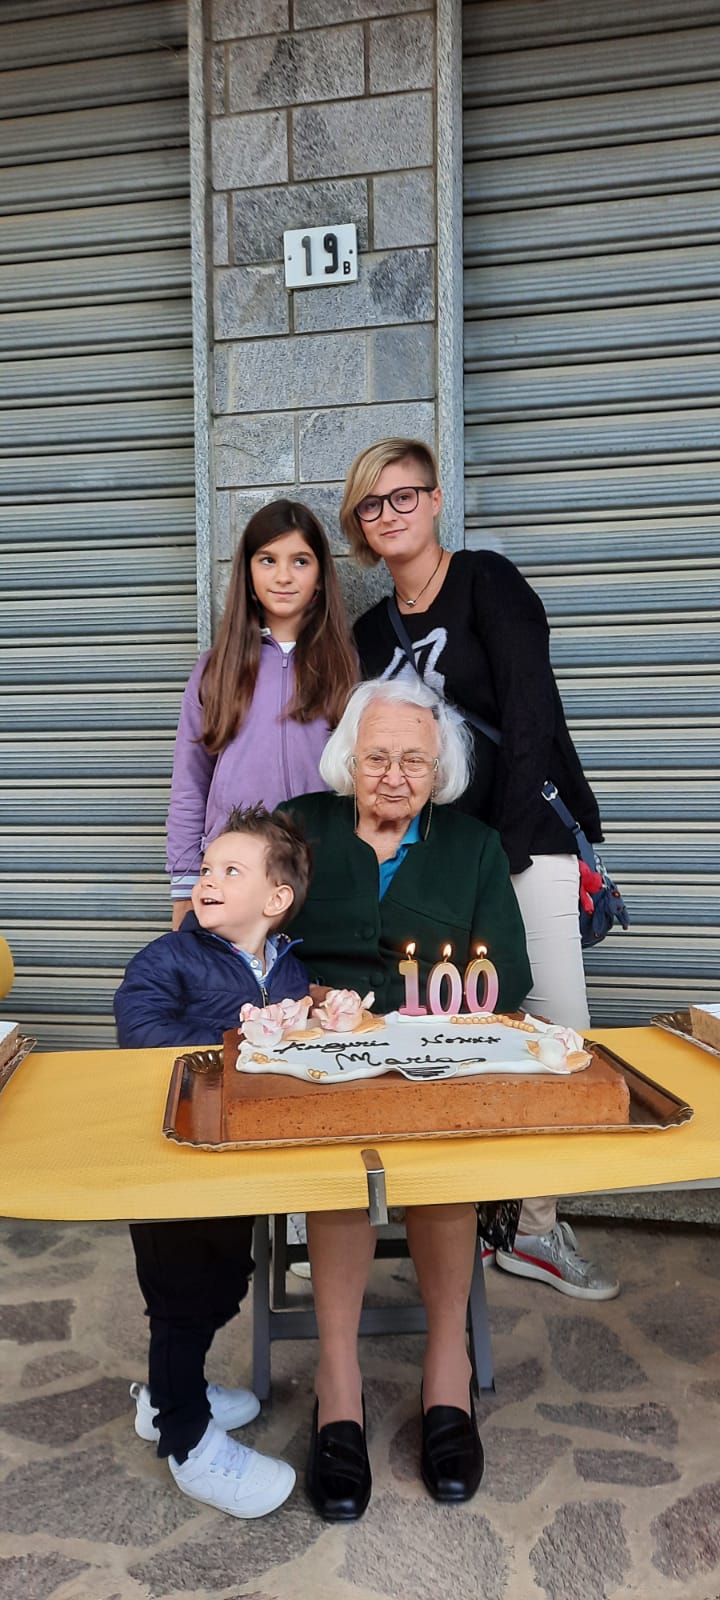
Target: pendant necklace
<point x="425" y="586"/>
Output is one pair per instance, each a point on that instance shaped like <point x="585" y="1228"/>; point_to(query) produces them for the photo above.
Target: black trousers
<point x="193" y="1276"/>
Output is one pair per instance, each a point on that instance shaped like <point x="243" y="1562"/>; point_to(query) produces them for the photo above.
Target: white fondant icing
<point x="417" y="1047"/>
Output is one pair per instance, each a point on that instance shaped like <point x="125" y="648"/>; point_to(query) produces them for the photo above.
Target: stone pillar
<point x="321" y="111"/>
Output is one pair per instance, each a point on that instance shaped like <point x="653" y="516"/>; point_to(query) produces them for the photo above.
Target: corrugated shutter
<point x="96" y="492"/>
<point x="592" y="332"/>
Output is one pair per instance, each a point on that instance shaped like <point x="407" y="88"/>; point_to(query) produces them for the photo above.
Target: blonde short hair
<point x="362" y="478"/>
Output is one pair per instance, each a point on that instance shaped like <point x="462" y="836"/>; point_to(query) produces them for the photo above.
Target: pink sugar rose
<point x="342" y="1010"/>
<point x="566" y="1036"/>
<point x="267" y="1025"/>
<point x="295" y="1013"/>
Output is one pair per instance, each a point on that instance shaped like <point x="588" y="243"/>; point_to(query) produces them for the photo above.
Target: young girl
<point x="260" y="706"/>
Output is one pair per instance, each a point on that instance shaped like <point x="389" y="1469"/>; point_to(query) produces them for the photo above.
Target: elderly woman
<point x="392" y="863"/>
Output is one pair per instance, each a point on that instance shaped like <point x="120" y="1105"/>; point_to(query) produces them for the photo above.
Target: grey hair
<point x="454" y="738"/>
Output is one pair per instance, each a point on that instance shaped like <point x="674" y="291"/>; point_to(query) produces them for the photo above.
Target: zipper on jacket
<point x="261" y="983"/>
<point x="286" y="657"/>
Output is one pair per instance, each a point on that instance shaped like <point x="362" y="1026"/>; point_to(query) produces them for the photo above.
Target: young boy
<point x="186" y="989"/>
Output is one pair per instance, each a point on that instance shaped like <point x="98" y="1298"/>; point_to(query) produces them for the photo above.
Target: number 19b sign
<point x="314" y="256"/>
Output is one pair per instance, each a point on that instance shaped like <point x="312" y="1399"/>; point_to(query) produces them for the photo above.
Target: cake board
<point x="194" y="1111"/>
<point x="678" y="1023"/>
<point x="26" y="1045"/>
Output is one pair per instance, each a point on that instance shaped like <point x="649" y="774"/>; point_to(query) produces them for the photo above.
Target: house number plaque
<point x="317" y="256"/>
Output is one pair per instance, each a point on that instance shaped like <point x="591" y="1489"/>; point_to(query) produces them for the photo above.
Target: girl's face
<point x="285" y="577"/>
<point x="402" y="535"/>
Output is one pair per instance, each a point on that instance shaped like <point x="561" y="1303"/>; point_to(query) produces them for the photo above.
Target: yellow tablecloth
<point x="80" y="1139"/>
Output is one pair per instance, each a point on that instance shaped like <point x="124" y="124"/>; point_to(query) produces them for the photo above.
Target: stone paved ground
<point x="602" y="1481"/>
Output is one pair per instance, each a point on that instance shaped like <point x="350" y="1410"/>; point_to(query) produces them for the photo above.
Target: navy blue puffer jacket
<point x="187" y="988"/>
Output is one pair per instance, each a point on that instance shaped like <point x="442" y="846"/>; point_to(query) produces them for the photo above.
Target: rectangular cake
<point x="9" y="1042"/>
<point x="272" y="1107"/>
<point x="705" y="1023"/>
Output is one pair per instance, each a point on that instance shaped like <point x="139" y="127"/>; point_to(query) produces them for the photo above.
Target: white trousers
<point x="547" y="893"/>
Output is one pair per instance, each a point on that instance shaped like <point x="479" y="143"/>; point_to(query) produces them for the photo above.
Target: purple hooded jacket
<point x="268" y="761"/>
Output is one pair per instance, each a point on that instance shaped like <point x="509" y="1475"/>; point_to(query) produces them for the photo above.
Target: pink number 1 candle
<point x="409" y="971"/>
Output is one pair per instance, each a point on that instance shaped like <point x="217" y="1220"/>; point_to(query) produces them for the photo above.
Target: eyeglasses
<point x="402" y="500"/>
<point x="376" y="765"/>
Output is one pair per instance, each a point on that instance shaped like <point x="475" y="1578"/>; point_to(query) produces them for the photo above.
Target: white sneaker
<point x="222" y="1473"/>
<point x="230" y="1408"/>
<point x="554" y="1258"/>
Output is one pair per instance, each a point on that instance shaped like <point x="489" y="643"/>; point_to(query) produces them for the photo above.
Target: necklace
<point x="425" y="586"/>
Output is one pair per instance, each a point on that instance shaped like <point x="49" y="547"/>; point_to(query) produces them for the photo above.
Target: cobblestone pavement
<point x="602" y="1478"/>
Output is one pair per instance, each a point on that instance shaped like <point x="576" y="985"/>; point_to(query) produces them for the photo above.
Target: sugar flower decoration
<point x="267" y="1025"/>
<point x="558" y="1049"/>
<point x="342" y="1010"/>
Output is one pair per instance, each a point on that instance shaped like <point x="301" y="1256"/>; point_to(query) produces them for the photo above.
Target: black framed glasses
<point x="402" y="500"/>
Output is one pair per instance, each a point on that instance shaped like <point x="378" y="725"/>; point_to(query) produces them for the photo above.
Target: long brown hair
<point x="325" y="663"/>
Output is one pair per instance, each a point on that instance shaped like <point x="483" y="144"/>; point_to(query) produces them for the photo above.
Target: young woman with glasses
<point x="480" y="639"/>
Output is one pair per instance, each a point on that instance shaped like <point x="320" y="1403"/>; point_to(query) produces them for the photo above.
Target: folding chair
<point x="274" y="1318"/>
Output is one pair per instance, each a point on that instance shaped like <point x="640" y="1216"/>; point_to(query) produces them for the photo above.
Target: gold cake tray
<point x="194" y="1109"/>
<point x="26" y="1045"/>
<point x="678" y="1022"/>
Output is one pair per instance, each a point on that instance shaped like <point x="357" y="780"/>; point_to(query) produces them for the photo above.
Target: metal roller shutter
<point x="592" y="332"/>
<point x="96" y="492"/>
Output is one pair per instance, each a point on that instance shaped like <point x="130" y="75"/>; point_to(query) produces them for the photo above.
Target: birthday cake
<point x="9" y="1042"/>
<point x="394" y="1076"/>
<point x="705" y="1024"/>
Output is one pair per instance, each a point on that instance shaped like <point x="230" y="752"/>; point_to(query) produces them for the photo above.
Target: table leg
<point x="261" y="1309"/>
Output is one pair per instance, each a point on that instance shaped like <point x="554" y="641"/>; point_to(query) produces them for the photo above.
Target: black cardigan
<point x="484" y="645"/>
<point x="452" y="888"/>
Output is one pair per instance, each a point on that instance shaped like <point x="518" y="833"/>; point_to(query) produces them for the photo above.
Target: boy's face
<point x="234" y="896"/>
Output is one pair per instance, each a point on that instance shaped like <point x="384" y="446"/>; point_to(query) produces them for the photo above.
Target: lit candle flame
<point x="481" y="950"/>
<point x="447" y="952"/>
<point x="410" y="949"/>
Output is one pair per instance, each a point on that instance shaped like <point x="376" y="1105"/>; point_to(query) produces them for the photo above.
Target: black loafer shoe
<point x="338" y="1479"/>
<point x="452" y="1455"/>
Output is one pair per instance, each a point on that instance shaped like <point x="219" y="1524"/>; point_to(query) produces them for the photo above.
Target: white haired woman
<point x="391" y="864"/>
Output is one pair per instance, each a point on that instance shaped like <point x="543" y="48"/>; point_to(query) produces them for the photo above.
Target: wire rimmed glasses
<point x="412" y="764"/>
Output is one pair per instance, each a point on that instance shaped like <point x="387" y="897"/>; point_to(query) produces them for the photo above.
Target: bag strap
<point x="582" y="843"/>
<point x="403" y="636"/>
<point x="548" y="791"/>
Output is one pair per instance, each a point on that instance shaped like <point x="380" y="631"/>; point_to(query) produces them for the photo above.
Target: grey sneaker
<point x="554" y="1258"/>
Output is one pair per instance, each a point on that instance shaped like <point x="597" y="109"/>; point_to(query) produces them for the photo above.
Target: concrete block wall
<point x="321" y="111"/>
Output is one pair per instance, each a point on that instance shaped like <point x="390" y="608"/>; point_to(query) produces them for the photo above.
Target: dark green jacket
<point x="453" y="888"/>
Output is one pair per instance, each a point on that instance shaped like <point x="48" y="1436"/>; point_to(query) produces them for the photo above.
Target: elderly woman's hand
<point x="319" y="992"/>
